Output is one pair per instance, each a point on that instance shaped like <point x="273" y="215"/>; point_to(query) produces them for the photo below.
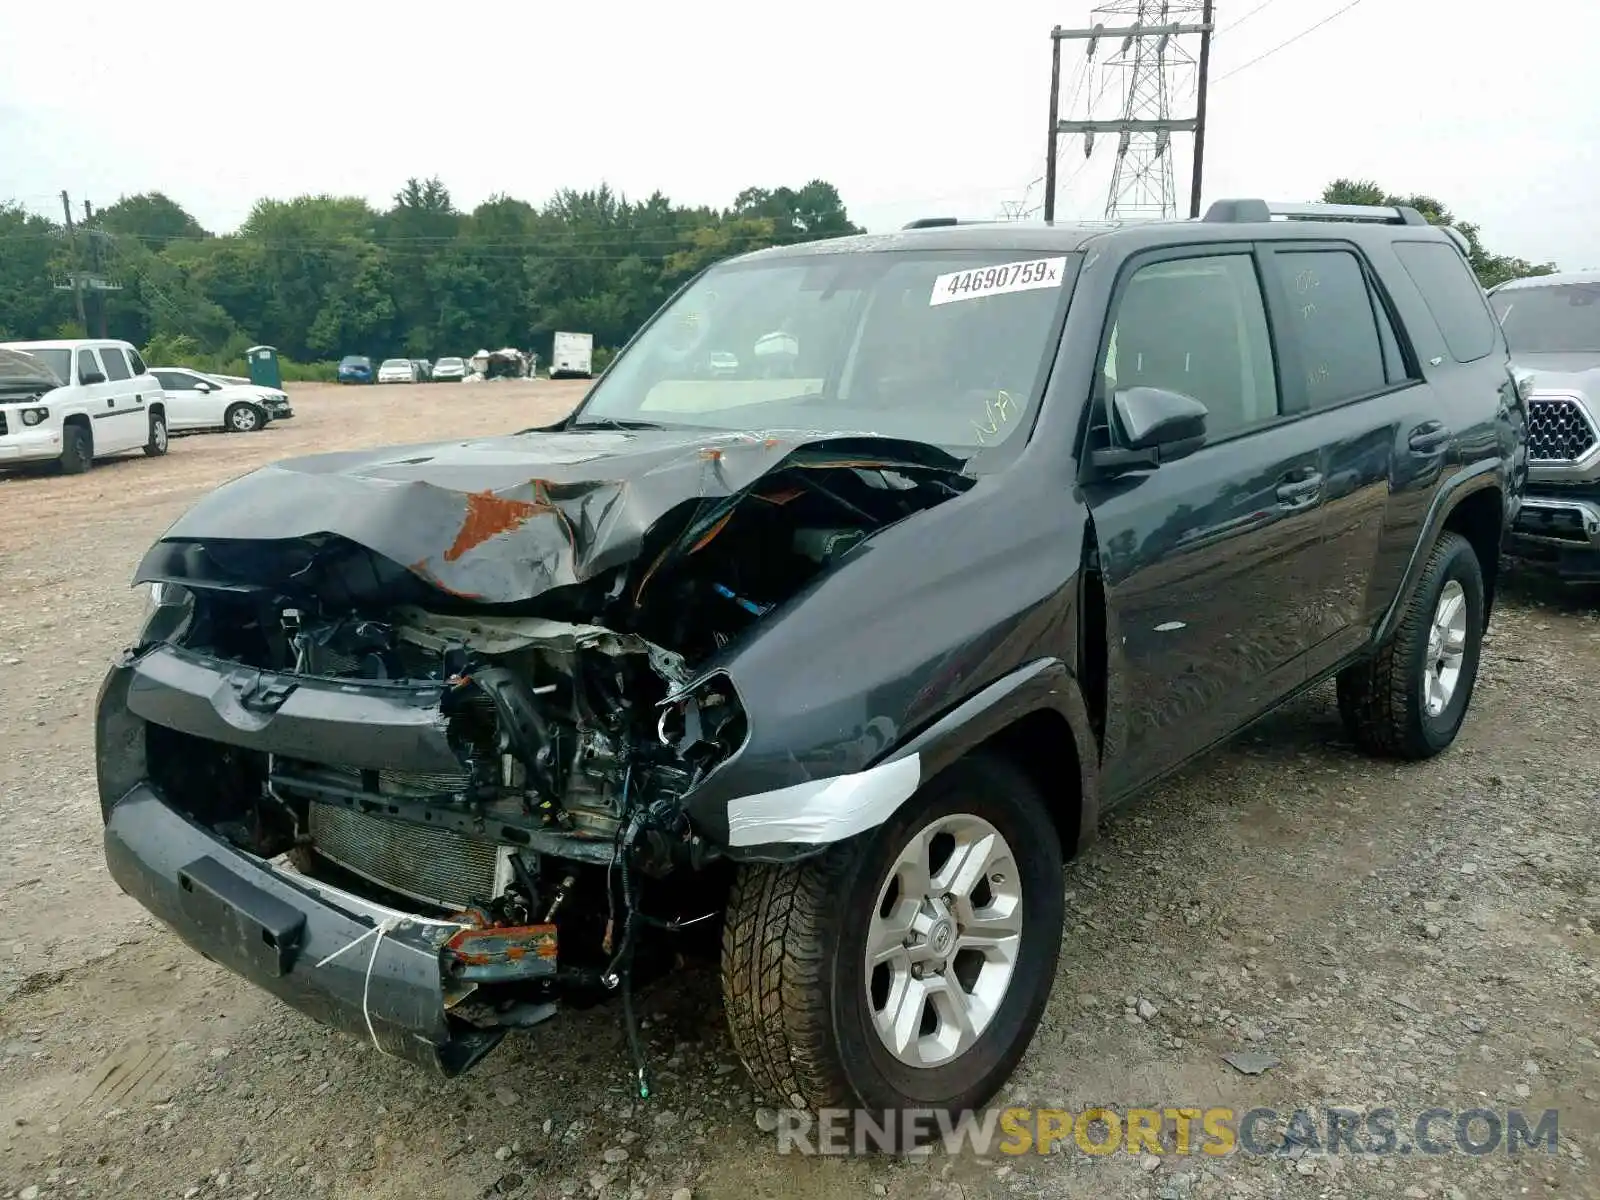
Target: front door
<point x="1210" y="563"/>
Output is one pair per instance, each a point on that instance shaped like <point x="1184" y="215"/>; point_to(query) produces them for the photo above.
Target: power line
<point x="1248" y="15"/>
<point x="1285" y="44"/>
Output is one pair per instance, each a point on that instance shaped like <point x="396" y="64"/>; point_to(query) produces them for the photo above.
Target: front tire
<point x="242" y="418"/>
<point x="156" y="446"/>
<point x="1409" y="699"/>
<point x="907" y="967"/>
<point x="77" y="450"/>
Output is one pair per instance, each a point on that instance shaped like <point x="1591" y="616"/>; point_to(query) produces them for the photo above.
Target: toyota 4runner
<point x="840" y="650"/>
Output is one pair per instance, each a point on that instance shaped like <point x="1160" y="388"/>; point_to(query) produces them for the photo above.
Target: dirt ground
<point x="1410" y="936"/>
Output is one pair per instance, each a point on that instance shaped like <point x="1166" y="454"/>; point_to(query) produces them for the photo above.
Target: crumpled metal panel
<point x="503" y="519"/>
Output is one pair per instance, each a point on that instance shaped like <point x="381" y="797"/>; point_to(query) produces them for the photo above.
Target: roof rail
<point x="1236" y="212"/>
<point x="937" y="222"/>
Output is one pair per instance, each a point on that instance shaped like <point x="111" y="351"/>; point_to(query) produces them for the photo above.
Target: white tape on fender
<point x="976" y="282"/>
<point x="824" y="810"/>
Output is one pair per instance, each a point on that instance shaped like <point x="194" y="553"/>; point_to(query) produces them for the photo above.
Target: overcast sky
<point x="911" y="110"/>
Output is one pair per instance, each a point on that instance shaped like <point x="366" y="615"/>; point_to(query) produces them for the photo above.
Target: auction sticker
<point x="997" y="280"/>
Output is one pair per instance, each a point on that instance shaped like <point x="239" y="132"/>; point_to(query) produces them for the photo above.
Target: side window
<point x="88" y="364"/>
<point x="1452" y="295"/>
<point x="116" y="364"/>
<point x="1394" y="362"/>
<point x="1334" y="323"/>
<point x="136" y="362"/>
<point x="173" y="381"/>
<point x="1198" y="326"/>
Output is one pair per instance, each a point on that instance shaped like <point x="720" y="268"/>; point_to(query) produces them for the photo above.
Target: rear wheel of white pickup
<point x="907" y="967"/>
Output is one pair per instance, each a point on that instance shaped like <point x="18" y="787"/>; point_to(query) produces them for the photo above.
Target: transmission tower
<point x="1148" y="67"/>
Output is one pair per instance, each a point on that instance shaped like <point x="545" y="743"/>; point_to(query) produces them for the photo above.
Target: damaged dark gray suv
<point x="868" y="577"/>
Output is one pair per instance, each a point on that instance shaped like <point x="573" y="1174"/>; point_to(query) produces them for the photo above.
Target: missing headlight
<point x="168" y="613"/>
<point x="704" y="724"/>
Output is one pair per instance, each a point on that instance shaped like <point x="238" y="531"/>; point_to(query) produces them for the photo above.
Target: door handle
<point x="1429" y="438"/>
<point x="111" y="401"/>
<point x="1297" y="493"/>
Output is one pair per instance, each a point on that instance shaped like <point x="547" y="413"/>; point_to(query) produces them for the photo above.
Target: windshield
<point x="396" y="362"/>
<point x="57" y="361"/>
<point x="945" y="347"/>
<point x="449" y="362"/>
<point x="355" y="360"/>
<point x="1556" y="318"/>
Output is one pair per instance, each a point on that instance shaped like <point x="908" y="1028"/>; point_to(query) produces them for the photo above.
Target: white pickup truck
<point x="76" y="401"/>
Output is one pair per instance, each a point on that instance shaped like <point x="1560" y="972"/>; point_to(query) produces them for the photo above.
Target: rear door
<point x="1358" y="387"/>
<point x="187" y="406"/>
<point x="123" y="422"/>
<point x="1205" y="561"/>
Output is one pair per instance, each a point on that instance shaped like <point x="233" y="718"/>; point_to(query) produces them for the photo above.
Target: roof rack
<point x="1237" y="212"/>
<point x="937" y="222"/>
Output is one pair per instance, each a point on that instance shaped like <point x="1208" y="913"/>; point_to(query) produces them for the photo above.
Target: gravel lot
<point x="1410" y="936"/>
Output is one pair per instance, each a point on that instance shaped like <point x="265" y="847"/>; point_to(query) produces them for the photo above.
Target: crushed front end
<point x="425" y="817"/>
<point x="469" y="781"/>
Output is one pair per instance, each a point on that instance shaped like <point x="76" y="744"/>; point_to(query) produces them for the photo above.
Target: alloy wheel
<point x="1447" y="648"/>
<point x="943" y="941"/>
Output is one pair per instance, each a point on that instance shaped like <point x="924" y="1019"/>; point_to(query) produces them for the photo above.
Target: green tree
<point x="151" y="218"/>
<point x="1490" y="268"/>
<point x="323" y="276"/>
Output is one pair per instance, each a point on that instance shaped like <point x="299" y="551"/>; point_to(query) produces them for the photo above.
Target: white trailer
<point x="572" y="356"/>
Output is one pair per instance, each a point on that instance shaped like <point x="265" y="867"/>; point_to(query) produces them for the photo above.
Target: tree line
<point x="320" y="277"/>
<point x="323" y="276"/>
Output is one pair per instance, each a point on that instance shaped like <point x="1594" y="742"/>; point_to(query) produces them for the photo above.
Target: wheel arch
<point x="1035" y="717"/>
<point x="1473" y="505"/>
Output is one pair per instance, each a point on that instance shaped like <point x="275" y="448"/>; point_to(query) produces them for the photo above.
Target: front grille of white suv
<point x="1558" y="430"/>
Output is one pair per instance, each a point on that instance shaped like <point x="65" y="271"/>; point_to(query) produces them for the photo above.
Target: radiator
<point x="437" y="866"/>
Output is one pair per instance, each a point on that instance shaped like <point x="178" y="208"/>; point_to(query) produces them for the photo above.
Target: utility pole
<point x="1200" y="112"/>
<point x="1152" y="55"/>
<point x="77" y="278"/>
<point x="94" y="264"/>
<point x="1055" y="112"/>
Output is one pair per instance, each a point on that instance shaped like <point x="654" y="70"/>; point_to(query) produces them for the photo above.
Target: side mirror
<point x="1156" y="426"/>
<point x="90" y="377"/>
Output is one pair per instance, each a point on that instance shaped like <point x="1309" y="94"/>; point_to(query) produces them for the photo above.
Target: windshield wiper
<point x="615" y="423"/>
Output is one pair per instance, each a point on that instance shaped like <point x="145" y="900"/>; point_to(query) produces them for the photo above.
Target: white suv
<point x="76" y="401"/>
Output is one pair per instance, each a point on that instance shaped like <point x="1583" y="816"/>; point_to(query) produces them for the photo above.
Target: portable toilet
<point x="264" y="367"/>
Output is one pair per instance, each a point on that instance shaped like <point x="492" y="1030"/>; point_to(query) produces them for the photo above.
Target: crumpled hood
<point x="503" y="519"/>
<point x="1575" y="371"/>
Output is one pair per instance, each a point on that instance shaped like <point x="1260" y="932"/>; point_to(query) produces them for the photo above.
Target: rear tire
<point x="1409" y="699"/>
<point x="157" y="444"/>
<point x="804" y="1007"/>
<point x="77" y="450"/>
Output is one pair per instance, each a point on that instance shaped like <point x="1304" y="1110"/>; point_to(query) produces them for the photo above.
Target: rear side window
<point x="88" y="364"/>
<point x="136" y="362"/>
<point x="1452" y="295"/>
<point x="116" y="365"/>
<point x="1333" y="322"/>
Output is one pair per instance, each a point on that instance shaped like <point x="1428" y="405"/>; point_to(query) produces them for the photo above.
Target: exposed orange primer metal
<point x="489" y="516"/>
